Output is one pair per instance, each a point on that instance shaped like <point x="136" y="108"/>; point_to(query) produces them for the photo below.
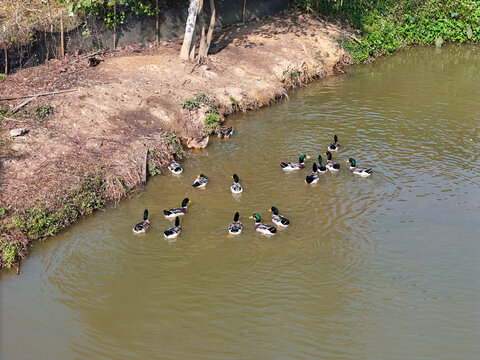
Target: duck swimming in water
<point x="174" y="166"/>
<point x="174" y="231"/>
<point x="295" y="166"/>
<point x="312" y="178"/>
<point x="236" y="226"/>
<point x="322" y="169"/>
<point x="143" y="225"/>
<point x="278" y="219"/>
<point x="172" y="213"/>
<point x="236" y="188"/>
<point x="335" y="145"/>
<point x="200" y="181"/>
<point x="361" y="171"/>
<point x="331" y="165"/>
<point x="263" y="228"/>
<point x="224" y="133"/>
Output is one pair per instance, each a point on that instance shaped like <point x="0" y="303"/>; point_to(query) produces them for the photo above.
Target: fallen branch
<point x="18" y="107"/>
<point x="35" y="95"/>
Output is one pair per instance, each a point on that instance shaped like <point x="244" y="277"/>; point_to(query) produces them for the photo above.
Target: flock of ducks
<point x="236" y="226"/>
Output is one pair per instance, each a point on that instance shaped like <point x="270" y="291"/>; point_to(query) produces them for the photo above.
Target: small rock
<point x="18" y="132"/>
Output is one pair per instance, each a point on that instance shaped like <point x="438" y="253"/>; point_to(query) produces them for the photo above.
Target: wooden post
<point x="157" y="23"/>
<point x="6" y="60"/>
<point x="62" y="46"/>
<point x="145" y="168"/>
<point x="205" y="43"/>
<point x="114" y="25"/>
<point x="202" y="48"/>
<point x="244" y="11"/>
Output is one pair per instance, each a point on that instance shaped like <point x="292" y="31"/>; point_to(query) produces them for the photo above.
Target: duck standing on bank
<point x="335" y="145"/>
<point x="172" y="232"/>
<point x="361" y="171"/>
<point x="201" y="181"/>
<point x="295" y="166"/>
<point x="235" y="228"/>
<point x="143" y="225"/>
<point x="174" y="166"/>
<point x="263" y="229"/>
<point x="278" y="219"/>
<point x="172" y="213"/>
<point x="236" y="188"/>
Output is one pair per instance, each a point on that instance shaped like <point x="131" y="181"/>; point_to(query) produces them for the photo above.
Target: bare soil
<point x="127" y="103"/>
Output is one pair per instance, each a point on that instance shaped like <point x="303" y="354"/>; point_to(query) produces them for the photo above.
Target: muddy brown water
<point x="385" y="267"/>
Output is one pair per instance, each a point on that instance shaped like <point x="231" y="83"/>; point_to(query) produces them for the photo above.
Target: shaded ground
<point x="130" y="103"/>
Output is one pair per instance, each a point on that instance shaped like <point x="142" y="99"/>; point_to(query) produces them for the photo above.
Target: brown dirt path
<point x="128" y="104"/>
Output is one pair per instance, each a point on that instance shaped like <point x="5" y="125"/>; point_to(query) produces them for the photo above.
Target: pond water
<point x="385" y="267"/>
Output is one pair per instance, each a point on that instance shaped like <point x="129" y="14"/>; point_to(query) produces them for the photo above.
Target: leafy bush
<point x="388" y="25"/>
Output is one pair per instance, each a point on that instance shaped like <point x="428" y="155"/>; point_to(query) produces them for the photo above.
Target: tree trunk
<point x="114" y="25"/>
<point x="244" y="11"/>
<point x="188" y="46"/>
<point x="205" y="43"/>
<point x="157" y="24"/>
<point x="202" y="51"/>
<point x="62" y="45"/>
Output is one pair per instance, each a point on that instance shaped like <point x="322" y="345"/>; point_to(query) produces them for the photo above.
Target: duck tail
<point x="167" y="212"/>
<point x="283" y="164"/>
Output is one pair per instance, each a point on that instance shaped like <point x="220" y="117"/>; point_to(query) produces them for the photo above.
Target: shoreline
<point x="90" y="147"/>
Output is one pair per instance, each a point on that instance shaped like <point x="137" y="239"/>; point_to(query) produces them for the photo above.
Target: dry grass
<point x="18" y="18"/>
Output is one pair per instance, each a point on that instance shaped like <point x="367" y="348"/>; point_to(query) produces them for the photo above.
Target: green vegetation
<point x="154" y="170"/>
<point x="9" y="252"/>
<point x="234" y="101"/>
<point x="3" y="76"/>
<point x="212" y="123"/>
<point x="42" y="112"/>
<point x="190" y="104"/>
<point x="173" y="142"/>
<point x="387" y="25"/>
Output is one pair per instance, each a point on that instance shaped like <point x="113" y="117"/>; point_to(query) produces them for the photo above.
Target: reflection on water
<point x="383" y="265"/>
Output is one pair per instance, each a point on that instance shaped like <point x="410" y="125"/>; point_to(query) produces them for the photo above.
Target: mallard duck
<point x="295" y="166"/>
<point x="278" y="219"/>
<point x="200" y="181"/>
<point x="321" y="168"/>
<point x="335" y="145"/>
<point x="235" y="227"/>
<point x="172" y="213"/>
<point x="197" y="143"/>
<point x="143" y="225"/>
<point x="226" y="132"/>
<point x="263" y="228"/>
<point x="313" y="177"/>
<point x="174" y="166"/>
<point x="236" y="188"/>
<point x="362" y="171"/>
<point x="174" y="231"/>
<point x="331" y="165"/>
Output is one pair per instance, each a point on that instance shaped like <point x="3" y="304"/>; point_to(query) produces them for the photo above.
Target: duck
<point x="235" y="228"/>
<point x="361" y="171"/>
<point x="313" y="177"/>
<point x="263" y="229"/>
<point x="143" y="225"/>
<point x="225" y="133"/>
<point x="335" y="145"/>
<point x="172" y="213"/>
<point x="174" y="231"/>
<point x="331" y="165"/>
<point x="200" y="181"/>
<point x="278" y="219"/>
<point x="197" y="143"/>
<point x="322" y="169"/>
<point x="236" y="188"/>
<point x="295" y="166"/>
<point x="174" y="166"/>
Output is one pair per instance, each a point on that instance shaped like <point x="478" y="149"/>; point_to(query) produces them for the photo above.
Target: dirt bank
<point x="91" y="148"/>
